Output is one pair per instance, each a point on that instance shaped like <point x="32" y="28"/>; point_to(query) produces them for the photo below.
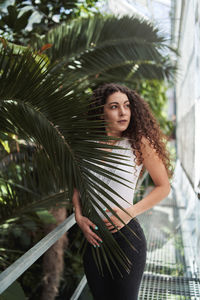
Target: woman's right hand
<point x="85" y="224"/>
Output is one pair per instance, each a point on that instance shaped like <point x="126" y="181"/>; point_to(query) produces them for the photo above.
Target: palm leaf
<point x="108" y="47"/>
<point x="55" y="122"/>
<point x="47" y="105"/>
<point x="83" y="34"/>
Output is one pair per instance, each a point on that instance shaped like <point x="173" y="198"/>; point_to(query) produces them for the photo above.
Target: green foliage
<point x="94" y="50"/>
<point x="13" y="20"/>
<point x="14" y="292"/>
<point x="40" y="16"/>
<point x="45" y="105"/>
<point x="63" y="153"/>
<point x="154" y="92"/>
<point x="46" y="217"/>
<point x="46" y="95"/>
<point x="18" y="236"/>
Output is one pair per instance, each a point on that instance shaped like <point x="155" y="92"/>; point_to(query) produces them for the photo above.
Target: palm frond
<point x="84" y="34"/>
<point x="105" y="47"/>
<point x="47" y="105"/>
<point x="35" y="108"/>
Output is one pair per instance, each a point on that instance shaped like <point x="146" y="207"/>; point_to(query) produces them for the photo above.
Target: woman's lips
<point x="122" y="121"/>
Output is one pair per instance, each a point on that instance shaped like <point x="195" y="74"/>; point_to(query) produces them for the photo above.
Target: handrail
<point x="79" y="288"/>
<point x="8" y="276"/>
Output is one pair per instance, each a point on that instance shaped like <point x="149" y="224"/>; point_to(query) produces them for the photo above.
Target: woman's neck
<point x="113" y="142"/>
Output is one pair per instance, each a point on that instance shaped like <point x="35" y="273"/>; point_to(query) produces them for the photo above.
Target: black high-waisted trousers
<point x="119" y="288"/>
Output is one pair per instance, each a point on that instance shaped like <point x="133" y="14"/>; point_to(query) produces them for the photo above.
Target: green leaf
<point x="11" y="18"/>
<point x="13" y="292"/>
<point x="22" y="21"/>
<point x="109" y="47"/>
<point x="46" y="106"/>
<point x="46" y="217"/>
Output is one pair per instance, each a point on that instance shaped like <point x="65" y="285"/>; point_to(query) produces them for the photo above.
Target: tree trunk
<point x="53" y="261"/>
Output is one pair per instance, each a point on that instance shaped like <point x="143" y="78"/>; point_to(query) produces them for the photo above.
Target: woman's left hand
<point x="124" y="216"/>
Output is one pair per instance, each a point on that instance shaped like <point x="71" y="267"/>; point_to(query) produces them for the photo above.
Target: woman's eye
<point x="114" y="106"/>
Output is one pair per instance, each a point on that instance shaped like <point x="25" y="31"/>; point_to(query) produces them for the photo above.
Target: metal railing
<point x="8" y="276"/>
<point x="14" y="271"/>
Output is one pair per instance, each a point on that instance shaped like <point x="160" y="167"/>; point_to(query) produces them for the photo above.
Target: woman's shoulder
<point x="144" y="142"/>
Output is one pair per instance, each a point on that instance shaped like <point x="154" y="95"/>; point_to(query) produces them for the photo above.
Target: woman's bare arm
<point x="76" y="203"/>
<point x="84" y="223"/>
<point x="158" y="173"/>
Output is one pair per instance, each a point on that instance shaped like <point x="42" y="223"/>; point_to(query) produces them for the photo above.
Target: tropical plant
<point x="22" y="20"/>
<point x="101" y="49"/>
<point x="155" y="93"/>
<point x="45" y="105"/>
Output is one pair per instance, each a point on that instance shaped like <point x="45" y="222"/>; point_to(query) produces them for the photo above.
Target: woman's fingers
<point x="94" y="242"/>
<point x="92" y="225"/>
<point x="96" y="237"/>
<point x="108" y="224"/>
<point x="106" y="221"/>
<point x="115" y="228"/>
<point x="114" y="209"/>
<point x="113" y="231"/>
<point x="115" y="221"/>
<point x="93" y="238"/>
<point x="112" y="228"/>
<point x="87" y="227"/>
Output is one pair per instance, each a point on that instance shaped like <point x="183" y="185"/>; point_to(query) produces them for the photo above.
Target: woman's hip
<point x="132" y="242"/>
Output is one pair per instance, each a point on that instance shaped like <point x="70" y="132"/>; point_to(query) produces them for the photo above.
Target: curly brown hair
<point x="143" y="124"/>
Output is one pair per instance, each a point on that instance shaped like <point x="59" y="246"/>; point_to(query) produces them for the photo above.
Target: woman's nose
<point x="121" y="111"/>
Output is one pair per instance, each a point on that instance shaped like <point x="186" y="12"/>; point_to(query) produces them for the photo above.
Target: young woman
<point x="127" y="117"/>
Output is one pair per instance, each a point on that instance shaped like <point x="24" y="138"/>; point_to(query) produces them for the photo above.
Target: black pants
<point x="119" y="288"/>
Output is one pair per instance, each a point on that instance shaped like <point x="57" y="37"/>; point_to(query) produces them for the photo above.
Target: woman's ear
<point x="102" y="117"/>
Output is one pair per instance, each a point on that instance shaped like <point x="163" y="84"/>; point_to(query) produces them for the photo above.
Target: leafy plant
<point x="45" y="105"/>
<point x="22" y="20"/>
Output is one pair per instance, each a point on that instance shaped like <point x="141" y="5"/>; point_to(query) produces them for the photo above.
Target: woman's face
<point x="117" y="114"/>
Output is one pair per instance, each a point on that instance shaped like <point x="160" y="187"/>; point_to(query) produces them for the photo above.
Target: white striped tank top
<point x="128" y="172"/>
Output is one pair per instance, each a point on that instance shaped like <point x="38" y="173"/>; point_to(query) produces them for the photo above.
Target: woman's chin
<point x="122" y="127"/>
